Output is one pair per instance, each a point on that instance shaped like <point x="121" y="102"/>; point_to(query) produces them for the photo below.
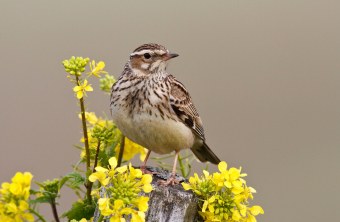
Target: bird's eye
<point x="147" y="55"/>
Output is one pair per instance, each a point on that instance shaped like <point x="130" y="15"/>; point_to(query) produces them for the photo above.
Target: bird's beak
<point x="170" y="56"/>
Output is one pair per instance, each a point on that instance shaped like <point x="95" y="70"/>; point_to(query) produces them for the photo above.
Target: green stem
<point x="54" y="211"/>
<point x="86" y="142"/>
<point x="100" y="219"/>
<point x="96" y="157"/>
<point x="37" y="214"/>
<point x="121" y="151"/>
<point x="181" y="166"/>
<point x="90" y="184"/>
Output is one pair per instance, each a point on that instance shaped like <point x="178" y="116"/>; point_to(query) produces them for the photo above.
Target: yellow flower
<point x="90" y="117"/>
<point x="131" y="149"/>
<point x="186" y="186"/>
<point x="118" y="204"/>
<point x="234" y="174"/>
<point x="104" y="206"/>
<point x="4" y="187"/>
<point x="81" y="89"/>
<point x="14" y="198"/>
<point x="121" y="169"/>
<point x="194" y="179"/>
<point x="243" y="209"/>
<point x="146" y="181"/>
<point x="256" y="210"/>
<point x="113" y="162"/>
<point x="27" y="217"/>
<point x="100" y="175"/>
<point x="23" y="205"/>
<point x="206" y="202"/>
<point x="218" y="179"/>
<point x="22" y="178"/>
<point x="15" y="189"/>
<point x="142" y="203"/>
<point x="138" y="217"/>
<point x="107" y="208"/>
<point x="236" y="215"/>
<point x="97" y="69"/>
<point x="135" y="173"/>
<point x="12" y="208"/>
<point x="237" y="187"/>
<point x="222" y="166"/>
<point x="251" y="218"/>
<point x="117" y="218"/>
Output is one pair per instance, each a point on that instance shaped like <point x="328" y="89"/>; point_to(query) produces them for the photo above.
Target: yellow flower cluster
<point x="14" y="199"/>
<point x="106" y="82"/>
<point x="123" y="186"/>
<point x="99" y="129"/>
<point x="224" y="195"/>
<point x="75" y="65"/>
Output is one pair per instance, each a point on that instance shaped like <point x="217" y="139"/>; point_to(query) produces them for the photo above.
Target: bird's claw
<point x="146" y="171"/>
<point x="171" y="181"/>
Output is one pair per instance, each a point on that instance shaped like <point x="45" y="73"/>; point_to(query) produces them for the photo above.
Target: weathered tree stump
<point x="168" y="203"/>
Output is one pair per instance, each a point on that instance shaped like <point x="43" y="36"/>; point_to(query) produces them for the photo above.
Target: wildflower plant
<point x="122" y="187"/>
<point x="99" y="143"/>
<point x="224" y="195"/>
<point x="100" y="136"/>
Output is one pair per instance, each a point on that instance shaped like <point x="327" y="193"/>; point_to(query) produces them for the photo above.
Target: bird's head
<point x="150" y="58"/>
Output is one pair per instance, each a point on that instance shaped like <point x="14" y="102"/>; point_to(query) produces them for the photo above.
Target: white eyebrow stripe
<point x="159" y="52"/>
<point x="142" y="52"/>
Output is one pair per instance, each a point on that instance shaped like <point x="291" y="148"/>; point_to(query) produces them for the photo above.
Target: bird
<point x="153" y="109"/>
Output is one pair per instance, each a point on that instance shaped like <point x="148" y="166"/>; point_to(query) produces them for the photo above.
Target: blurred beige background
<point x="264" y="75"/>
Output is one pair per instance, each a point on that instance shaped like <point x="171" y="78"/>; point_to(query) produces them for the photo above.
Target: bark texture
<point x="168" y="203"/>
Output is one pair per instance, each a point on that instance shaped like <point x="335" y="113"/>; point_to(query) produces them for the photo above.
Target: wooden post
<point x="168" y="203"/>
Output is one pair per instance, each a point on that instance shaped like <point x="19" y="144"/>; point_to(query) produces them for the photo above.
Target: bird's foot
<point x="171" y="181"/>
<point x="146" y="171"/>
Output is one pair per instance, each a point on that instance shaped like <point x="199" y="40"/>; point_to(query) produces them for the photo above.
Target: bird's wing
<point x="181" y="103"/>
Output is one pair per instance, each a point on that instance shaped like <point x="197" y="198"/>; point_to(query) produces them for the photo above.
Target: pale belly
<point x="154" y="133"/>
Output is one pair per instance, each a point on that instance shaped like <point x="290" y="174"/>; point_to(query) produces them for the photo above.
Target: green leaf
<point x="34" y="192"/>
<point x="74" y="180"/>
<point x="81" y="210"/>
<point x="42" y="199"/>
<point x="62" y="181"/>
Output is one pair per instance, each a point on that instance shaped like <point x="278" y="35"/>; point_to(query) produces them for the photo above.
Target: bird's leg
<point x="143" y="167"/>
<point x="172" y="179"/>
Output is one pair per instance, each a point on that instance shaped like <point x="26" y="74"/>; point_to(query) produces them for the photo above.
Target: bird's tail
<point x="204" y="154"/>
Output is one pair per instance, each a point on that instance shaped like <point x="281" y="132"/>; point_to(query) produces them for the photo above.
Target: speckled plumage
<point x="152" y="108"/>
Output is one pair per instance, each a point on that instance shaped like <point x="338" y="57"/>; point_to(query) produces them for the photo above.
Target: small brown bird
<point x="152" y="108"/>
